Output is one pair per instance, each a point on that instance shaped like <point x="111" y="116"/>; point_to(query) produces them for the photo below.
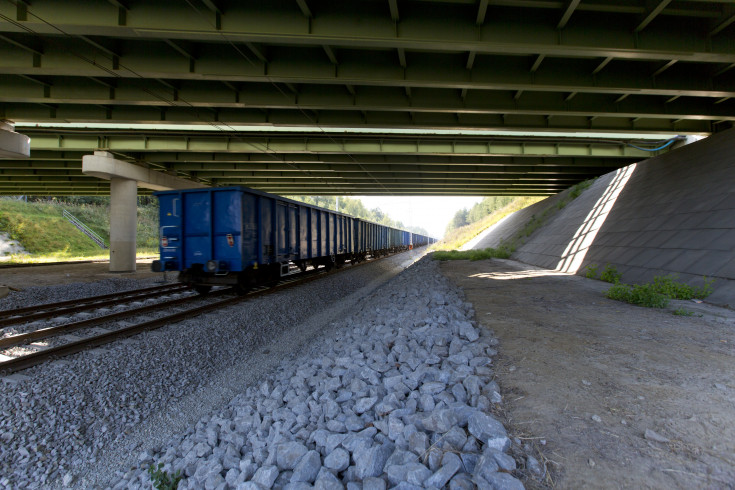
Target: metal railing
<point x="84" y="228"/>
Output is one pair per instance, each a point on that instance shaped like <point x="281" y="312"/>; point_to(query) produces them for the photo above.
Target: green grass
<point x="47" y="236"/>
<point x="459" y="236"/>
<point x="657" y="294"/>
<point x="487" y="253"/>
<point x="537" y="222"/>
<point x="683" y="312"/>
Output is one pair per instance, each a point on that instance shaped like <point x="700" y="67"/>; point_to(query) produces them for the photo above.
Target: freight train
<point x="241" y="237"/>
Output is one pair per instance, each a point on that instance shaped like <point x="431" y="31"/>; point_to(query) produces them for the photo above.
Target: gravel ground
<point x="51" y="294"/>
<point x="65" y="318"/>
<point x="399" y="393"/>
<point x="60" y="417"/>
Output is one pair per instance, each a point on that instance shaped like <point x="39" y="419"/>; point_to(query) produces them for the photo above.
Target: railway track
<point x="49" y="310"/>
<point x="32" y="359"/>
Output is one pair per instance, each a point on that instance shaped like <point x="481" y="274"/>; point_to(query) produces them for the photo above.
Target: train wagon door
<point x="169" y="234"/>
<point x="227" y="231"/>
<point x="293" y="231"/>
<point x="314" y="233"/>
<point x="304" y="228"/>
<point x="282" y="230"/>
<point x="250" y="214"/>
<point x="197" y="239"/>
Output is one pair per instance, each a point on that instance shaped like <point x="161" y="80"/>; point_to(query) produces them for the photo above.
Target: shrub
<point x="591" y="271"/>
<point x="677" y="290"/>
<point x="488" y="253"/>
<point x="639" y="294"/>
<point x="658" y="293"/>
<point x="610" y="274"/>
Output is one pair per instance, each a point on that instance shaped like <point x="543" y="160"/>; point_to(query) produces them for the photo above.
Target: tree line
<point x="355" y="207"/>
<point x="465" y="216"/>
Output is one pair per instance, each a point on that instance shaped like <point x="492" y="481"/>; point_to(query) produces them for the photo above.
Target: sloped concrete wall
<point x="511" y="225"/>
<point x="674" y="213"/>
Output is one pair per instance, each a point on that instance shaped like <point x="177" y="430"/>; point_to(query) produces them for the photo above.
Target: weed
<point x="161" y="479"/>
<point x="677" y="290"/>
<point x="591" y="271"/>
<point x="610" y="274"/>
<point x="639" y="294"/>
<point x="683" y="312"/>
<point x="579" y="188"/>
<point x="487" y="253"/>
<point x="657" y="294"/>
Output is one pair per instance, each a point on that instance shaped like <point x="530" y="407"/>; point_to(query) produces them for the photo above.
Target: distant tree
<point x="459" y="220"/>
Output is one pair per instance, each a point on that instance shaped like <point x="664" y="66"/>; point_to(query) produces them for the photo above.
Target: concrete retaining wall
<point x="674" y="213"/>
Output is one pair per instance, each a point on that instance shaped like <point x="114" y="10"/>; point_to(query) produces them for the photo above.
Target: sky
<point x="430" y="213"/>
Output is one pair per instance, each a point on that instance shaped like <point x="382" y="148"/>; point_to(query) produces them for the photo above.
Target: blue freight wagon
<point x="241" y="237"/>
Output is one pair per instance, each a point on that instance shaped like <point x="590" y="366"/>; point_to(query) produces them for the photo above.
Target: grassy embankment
<point x="47" y="236"/>
<point x="459" y="236"/>
<point x="446" y="249"/>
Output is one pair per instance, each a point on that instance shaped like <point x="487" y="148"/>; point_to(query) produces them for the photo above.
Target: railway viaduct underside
<point x="399" y="97"/>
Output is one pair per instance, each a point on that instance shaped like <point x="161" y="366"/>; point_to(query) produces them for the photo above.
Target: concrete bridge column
<point x="125" y="177"/>
<point x="123" y="220"/>
<point x="12" y="144"/>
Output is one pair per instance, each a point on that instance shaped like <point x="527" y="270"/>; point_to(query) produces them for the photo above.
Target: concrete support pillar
<point x="124" y="179"/>
<point x="12" y="144"/>
<point x="123" y="219"/>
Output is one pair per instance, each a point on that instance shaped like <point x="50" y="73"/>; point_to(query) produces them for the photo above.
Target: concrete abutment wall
<point x="673" y="213"/>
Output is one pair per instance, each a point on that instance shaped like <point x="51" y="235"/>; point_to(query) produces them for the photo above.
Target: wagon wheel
<point x="203" y="290"/>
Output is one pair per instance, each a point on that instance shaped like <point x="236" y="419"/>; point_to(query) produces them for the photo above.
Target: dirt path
<point x="590" y="376"/>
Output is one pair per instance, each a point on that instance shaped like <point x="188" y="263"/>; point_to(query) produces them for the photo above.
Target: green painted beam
<point x="130" y="97"/>
<point x="440" y="26"/>
<point x="283" y="145"/>
<point x="363" y="69"/>
<point x="441" y="96"/>
<point x="224" y="120"/>
<point x="232" y="161"/>
<point x="456" y="172"/>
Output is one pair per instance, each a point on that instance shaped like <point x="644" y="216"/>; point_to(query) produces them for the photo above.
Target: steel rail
<point x="98" y="320"/>
<point x="14" y="317"/>
<point x="33" y="359"/>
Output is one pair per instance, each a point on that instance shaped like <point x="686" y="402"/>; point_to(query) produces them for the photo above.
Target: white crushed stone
<point x="339" y="383"/>
<point x="398" y="395"/>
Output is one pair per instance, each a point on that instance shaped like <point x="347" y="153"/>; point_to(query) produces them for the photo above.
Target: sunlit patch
<point x="573" y="256"/>
<point x="525" y="274"/>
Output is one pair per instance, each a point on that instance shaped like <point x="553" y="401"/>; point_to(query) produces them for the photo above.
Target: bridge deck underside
<point x="401" y="68"/>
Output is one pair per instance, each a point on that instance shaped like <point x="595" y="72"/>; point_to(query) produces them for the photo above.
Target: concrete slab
<point x="674" y="214"/>
<point x="12" y="144"/>
<point x="710" y="264"/>
<point x="684" y="262"/>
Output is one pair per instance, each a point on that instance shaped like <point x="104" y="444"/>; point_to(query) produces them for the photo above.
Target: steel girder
<point x="324" y="144"/>
<point x="537" y="66"/>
